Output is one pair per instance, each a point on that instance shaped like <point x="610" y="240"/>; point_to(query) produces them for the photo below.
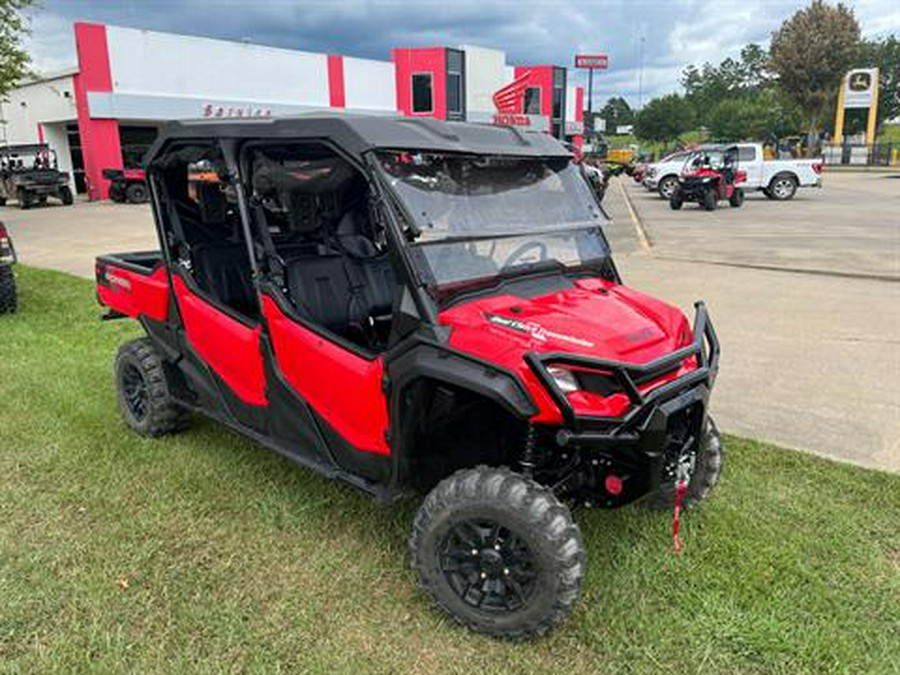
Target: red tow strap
<point x="680" y="492"/>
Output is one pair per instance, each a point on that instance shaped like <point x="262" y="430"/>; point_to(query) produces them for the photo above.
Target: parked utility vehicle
<point x="127" y="185"/>
<point x="415" y="306"/>
<point x="30" y="174"/>
<point x="776" y="178"/>
<point x="710" y="176"/>
<point x="8" y="297"/>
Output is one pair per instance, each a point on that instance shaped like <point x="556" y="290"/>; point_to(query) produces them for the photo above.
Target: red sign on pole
<point x="594" y="61"/>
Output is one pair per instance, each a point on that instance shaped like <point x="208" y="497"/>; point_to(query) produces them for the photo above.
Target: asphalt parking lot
<point x="805" y="296"/>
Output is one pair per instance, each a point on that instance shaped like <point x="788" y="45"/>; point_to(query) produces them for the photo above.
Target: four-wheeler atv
<point x="127" y="185"/>
<point x="416" y="306"/>
<point x="8" y="299"/>
<point x="710" y="176"/>
<point x="30" y="174"/>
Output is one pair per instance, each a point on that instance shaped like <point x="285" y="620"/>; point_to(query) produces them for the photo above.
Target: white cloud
<point x="537" y="31"/>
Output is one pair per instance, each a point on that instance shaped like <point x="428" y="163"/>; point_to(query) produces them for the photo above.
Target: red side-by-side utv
<point x="710" y="176"/>
<point x="418" y="307"/>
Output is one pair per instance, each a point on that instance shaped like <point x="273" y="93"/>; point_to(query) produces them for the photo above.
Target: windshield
<point x="483" y="216"/>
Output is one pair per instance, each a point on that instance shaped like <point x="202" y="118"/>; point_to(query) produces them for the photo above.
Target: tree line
<point x="789" y="89"/>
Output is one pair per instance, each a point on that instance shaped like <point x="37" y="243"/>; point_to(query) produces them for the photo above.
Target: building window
<point x="421" y="93"/>
<point x="533" y="101"/>
<point x="456" y="106"/>
<point x="557" y="103"/>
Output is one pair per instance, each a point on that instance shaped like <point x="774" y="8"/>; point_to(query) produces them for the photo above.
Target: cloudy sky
<point x="670" y="34"/>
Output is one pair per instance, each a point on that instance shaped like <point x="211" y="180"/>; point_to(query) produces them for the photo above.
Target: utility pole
<point x="641" y="73"/>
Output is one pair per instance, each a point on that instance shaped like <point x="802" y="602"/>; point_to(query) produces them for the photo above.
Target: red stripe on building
<point x="100" y="143"/>
<point x="336" y="92"/>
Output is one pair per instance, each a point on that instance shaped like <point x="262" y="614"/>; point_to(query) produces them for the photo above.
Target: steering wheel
<point x="525" y="248"/>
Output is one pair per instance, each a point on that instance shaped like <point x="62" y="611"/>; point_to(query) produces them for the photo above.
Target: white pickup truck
<point x="776" y="178"/>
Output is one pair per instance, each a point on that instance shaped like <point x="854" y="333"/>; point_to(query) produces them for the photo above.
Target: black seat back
<point x="223" y="270"/>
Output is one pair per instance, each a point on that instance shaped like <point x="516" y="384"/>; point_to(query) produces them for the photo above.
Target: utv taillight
<point x="4" y="235"/>
<point x="817" y="167"/>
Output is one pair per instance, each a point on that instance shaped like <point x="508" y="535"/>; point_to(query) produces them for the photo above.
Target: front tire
<point x="676" y="201"/>
<point x="25" y="199"/>
<point x="66" y="196"/>
<point x="498" y="552"/>
<point x="709" y="200"/>
<point x="8" y="295"/>
<point x="705" y="475"/>
<point x="145" y="397"/>
<point x="667" y="187"/>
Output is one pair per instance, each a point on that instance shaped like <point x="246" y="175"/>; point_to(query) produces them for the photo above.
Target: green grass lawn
<point x="204" y="553"/>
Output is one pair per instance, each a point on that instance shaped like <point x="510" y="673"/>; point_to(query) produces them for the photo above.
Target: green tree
<point x="885" y="54"/>
<point x="810" y="54"/>
<point x="757" y="116"/>
<point x="616" y="112"/>
<point x="709" y="84"/>
<point x="13" y="57"/>
<point x="664" y="119"/>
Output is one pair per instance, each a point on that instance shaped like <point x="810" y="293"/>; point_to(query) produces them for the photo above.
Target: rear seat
<point x="222" y="269"/>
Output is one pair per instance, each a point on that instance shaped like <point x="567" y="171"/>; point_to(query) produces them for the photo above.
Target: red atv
<point x="127" y="185"/>
<point x="418" y="307"/>
<point x="710" y="176"/>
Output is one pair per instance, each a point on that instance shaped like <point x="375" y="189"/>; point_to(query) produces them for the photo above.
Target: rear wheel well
<point x="451" y="428"/>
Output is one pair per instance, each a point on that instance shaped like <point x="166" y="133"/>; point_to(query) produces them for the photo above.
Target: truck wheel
<point x="706" y="473"/>
<point x="24" y="199"/>
<point x="783" y="187"/>
<point x="145" y="401"/>
<point x="737" y="198"/>
<point x="676" y="201"/>
<point x="667" y="186"/>
<point x="498" y="552"/>
<point x="65" y="195"/>
<point x="137" y="193"/>
<point x="709" y="200"/>
<point x="8" y="298"/>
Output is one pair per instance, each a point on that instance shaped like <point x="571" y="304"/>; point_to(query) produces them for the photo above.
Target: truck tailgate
<point x="134" y="284"/>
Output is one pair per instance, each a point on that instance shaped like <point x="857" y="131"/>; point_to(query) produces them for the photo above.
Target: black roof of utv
<point x="357" y="134"/>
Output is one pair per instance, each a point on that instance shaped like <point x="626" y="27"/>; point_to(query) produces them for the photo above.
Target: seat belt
<point x="179" y="243"/>
<point x="274" y="263"/>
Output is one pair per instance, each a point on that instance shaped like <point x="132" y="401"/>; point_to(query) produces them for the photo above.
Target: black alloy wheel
<point x="489" y="566"/>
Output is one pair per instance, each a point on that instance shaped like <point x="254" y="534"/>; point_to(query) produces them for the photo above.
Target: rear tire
<point x="737" y="198"/>
<point x="145" y="398"/>
<point x="709" y="200"/>
<point x="2" y="201"/>
<point x="137" y="193"/>
<point x="65" y="195"/>
<point x="8" y="296"/>
<point x="498" y="552"/>
<point x="783" y="187"/>
<point x="24" y="199"/>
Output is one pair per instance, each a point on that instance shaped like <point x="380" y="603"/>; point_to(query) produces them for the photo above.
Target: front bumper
<point x="643" y="426"/>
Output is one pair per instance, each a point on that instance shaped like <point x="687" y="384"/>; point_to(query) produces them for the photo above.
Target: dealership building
<point x="106" y="110"/>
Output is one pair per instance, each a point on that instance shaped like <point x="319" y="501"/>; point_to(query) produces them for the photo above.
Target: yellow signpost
<point x="859" y="89"/>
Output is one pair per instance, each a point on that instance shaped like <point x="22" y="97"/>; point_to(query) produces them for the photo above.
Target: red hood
<point x="595" y="318"/>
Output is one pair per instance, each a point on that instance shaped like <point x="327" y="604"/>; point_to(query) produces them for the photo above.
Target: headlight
<point x="564" y="379"/>
<point x="651" y="173"/>
<point x="707" y="179"/>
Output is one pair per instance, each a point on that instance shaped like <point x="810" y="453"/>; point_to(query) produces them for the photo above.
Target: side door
<point x="752" y="164"/>
<point x="212" y="284"/>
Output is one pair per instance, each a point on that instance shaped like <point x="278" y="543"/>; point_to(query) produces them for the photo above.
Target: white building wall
<point x="486" y="72"/>
<point x="166" y="65"/>
<point x="369" y="85"/>
<point x="51" y="100"/>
